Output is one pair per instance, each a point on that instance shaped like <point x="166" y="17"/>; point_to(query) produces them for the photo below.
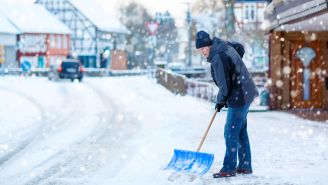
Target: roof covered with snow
<point x="102" y="19"/>
<point x="317" y="23"/>
<point x="285" y="12"/>
<point x="6" y="26"/>
<point x="32" y="18"/>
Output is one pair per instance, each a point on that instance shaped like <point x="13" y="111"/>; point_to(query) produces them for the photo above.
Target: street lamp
<point x="189" y="21"/>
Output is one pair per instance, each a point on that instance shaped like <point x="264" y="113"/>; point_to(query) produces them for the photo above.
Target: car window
<point x="70" y="65"/>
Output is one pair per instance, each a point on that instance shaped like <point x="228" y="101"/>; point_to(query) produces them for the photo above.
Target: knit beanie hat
<point x="203" y="39"/>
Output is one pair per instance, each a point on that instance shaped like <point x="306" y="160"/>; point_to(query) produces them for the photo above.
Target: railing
<point x="202" y="90"/>
<point x="179" y="84"/>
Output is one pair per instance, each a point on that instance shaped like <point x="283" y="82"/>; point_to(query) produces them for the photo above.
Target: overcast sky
<point x="176" y="7"/>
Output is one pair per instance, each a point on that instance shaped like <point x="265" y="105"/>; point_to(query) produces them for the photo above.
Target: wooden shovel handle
<point x="206" y="132"/>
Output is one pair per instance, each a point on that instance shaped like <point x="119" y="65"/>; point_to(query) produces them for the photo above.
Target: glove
<point x="218" y="107"/>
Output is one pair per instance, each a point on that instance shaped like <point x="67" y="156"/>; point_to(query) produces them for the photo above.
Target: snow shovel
<point x="193" y="163"/>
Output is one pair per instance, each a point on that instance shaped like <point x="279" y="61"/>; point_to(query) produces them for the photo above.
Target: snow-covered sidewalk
<point x="285" y="149"/>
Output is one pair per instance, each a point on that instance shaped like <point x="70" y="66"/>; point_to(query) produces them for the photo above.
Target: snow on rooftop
<point x="317" y="23"/>
<point x="32" y="18"/>
<point x="102" y="19"/>
<point x="6" y="26"/>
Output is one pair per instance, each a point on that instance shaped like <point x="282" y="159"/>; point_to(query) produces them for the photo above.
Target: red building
<point x="42" y="40"/>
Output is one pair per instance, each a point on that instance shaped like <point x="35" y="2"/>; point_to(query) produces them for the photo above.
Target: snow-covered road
<point x="121" y="131"/>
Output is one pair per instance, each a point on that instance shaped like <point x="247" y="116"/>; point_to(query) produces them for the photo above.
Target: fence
<point x="202" y="90"/>
<point x="179" y="84"/>
<point x="173" y="82"/>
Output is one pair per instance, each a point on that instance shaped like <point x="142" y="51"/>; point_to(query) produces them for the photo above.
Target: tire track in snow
<point x="107" y="139"/>
<point x="39" y="133"/>
<point x="27" y="140"/>
<point x="56" y="168"/>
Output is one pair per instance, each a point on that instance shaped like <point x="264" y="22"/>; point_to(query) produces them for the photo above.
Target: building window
<point x="252" y="13"/>
<point x="52" y="41"/>
<point x="52" y="61"/>
<point x="249" y="12"/>
<point x="246" y="12"/>
<point x="65" y="42"/>
<point x="59" y="42"/>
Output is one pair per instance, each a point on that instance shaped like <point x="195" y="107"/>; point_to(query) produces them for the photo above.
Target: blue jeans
<point x="236" y="139"/>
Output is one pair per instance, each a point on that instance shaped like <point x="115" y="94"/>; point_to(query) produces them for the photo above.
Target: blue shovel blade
<point x="189" y="162"/>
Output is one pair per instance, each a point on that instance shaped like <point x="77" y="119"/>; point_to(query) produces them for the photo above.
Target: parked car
<point x="68" y="69"/>
<point x="176" y="66"/>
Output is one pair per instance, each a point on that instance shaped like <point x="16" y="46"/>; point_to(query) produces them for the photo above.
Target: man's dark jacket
<point x="236" y="86"/>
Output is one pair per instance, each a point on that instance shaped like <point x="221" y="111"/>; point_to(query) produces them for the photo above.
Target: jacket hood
<point x="218" y="46"/>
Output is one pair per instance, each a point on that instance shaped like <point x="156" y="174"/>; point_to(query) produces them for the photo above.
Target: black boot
<point x="222" y="174"/>
<point x="243" y="171"/>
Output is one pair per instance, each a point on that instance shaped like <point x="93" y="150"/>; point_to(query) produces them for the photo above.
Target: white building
<point x="250" y="13"/>
<point x="249" y="16"/>
<point x="7" y="43"/>
<point x="94" y="29"/>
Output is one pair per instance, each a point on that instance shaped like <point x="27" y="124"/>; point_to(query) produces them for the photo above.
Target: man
<point x="236" y="91"/>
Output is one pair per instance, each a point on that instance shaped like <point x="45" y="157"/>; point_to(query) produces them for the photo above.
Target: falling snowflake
<point x="4" y="147"/>
<point x="124" y="156"/>
<point x="120" y="117"/>
<point x="24" y="163"/>
<point x="287" y="70"/>
<point x="82" y="168"/>
<point x="279" y="83"/>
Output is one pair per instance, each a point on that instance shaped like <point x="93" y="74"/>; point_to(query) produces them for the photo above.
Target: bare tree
<point x="167" y="46"/>
<point x="134" y="16"/>
<point x="209" y="15"/>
